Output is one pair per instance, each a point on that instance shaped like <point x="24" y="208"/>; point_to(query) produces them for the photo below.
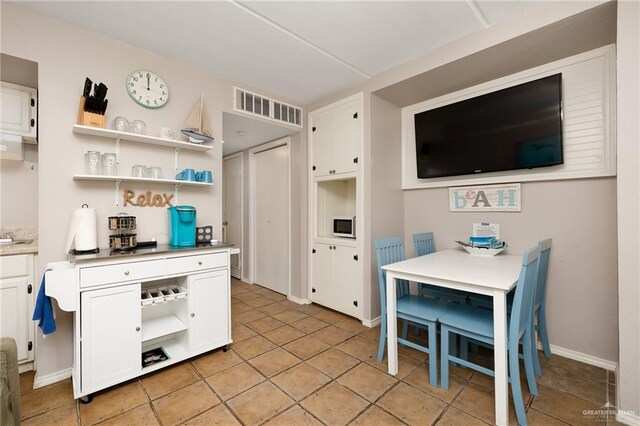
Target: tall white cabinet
<point x="335" y="186"/>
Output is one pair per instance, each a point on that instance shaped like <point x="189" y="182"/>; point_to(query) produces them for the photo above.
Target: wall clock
<point x="147" y="89"/>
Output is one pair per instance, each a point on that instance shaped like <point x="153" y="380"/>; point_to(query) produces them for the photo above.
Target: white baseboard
<point x="49" y="379"/>
<point x="246" y="280"/>
<point x="298" y="300"/>
<point x="25" y="366"/>
<point x="579" y="356"/>
<point x="628" y="418"/>
<point x="371" y="323"/>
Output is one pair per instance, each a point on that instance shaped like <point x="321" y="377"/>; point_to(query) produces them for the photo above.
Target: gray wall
<point x="580" y="216"/>
<point x="628" y="205"/>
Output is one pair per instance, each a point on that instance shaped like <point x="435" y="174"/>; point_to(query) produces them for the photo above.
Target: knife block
<point x="88" y="118"/>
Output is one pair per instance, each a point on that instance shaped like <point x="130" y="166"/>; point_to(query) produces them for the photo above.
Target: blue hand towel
<point x="43" y="311"/>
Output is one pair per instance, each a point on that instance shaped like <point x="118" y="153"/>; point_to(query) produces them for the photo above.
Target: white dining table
<point x="493" y="276"/>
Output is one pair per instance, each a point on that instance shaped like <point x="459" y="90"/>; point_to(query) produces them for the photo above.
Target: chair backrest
<point x="543" y="266"/>
<point x="389" y="250"/>
<point x="523" y="300"/>
<point x="423" y="243"/>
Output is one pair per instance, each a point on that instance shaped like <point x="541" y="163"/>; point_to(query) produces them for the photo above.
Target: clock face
<point x="147" y="89"/>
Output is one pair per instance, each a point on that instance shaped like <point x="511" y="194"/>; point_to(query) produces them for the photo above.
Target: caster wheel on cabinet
<point x="86" y="399"/>
<point x="225" y="348"/>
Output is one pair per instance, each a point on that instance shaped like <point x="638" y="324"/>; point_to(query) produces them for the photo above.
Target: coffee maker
<point x="182" y="226"/>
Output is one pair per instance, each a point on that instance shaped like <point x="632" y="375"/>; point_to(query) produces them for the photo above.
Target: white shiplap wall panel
<point x="588" y="84"/>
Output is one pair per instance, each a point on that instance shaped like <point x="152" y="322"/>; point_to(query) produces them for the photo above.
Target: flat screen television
<point x="519" y="127"/>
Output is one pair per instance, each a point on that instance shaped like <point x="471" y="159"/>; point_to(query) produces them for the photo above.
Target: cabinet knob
<point x="200" y="263"/>
<point x="193" y="315"/>
<point x="126" y="272"/>
<point x="137" y="328"/>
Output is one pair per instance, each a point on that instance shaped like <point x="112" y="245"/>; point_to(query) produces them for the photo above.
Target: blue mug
<point x="187" y="174"/>
<point x="204" y="176"/>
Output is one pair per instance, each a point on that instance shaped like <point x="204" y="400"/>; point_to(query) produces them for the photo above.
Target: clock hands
<point x="148" y="81"/>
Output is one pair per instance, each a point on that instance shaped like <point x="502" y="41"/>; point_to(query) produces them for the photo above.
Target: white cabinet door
<point x="208" y="311"/>
<point x="345" y="279"/>
<point x="322" y="291"/>
<point x="18" y="105"/>
<point x="335" y="277"/>
<point x="322" y="135"/>
<point x="14" y="314"/>
<point x="110" y="332"/>
<point x="346" y="137"/>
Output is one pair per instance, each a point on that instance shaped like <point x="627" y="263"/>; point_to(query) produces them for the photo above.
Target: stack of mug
<point x="101" y="164"/>
<point x="146" y="172"/>
<point x="204" y="176"/>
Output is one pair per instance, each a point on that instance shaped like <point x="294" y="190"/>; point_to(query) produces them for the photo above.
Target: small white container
<point x="483" y="252"/>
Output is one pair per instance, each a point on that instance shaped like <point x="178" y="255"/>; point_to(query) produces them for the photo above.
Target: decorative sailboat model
<point x="197" y="126"/>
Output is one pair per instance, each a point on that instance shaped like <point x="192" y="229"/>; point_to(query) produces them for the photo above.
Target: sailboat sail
<point x="198" y="120"/>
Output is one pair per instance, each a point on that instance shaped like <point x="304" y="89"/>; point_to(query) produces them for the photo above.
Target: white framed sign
<point x="485" y="198"/>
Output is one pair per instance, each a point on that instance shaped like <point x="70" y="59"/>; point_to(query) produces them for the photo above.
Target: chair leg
<point x="444" y="357"/>
<point x="464" y="348"/>
<point x="528" y="353"/>
<point x="405" y="328"/>
<point x="516" y="387"/>
<point x="534" y="348"/>
<point x="433" y="355"/>
<point x="542" y="328"/>
<point x="383" y="336"/>
<point x="453" y="346"/>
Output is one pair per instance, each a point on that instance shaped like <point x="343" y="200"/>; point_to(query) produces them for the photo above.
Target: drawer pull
<point x="200" y="263"/>
<point x="193" y="315"/>
<point x="126" y="272"/>
<point x="137" y="328"/>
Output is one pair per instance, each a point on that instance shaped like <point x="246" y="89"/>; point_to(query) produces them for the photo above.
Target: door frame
<point x="241" y="254"/>
<point x="286" y="141"/>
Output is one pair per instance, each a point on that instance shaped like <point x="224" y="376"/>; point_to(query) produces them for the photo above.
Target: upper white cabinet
<point x="19" y="111"/>
<point x="336" y="137"/>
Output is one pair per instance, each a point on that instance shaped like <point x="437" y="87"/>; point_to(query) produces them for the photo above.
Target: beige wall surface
<point x="580" y="216"/>
<point x="66" y="55"/>
<point x="629" y="207"/>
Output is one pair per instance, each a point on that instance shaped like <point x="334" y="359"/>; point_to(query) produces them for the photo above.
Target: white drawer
<point x="200" y="262"/>
<point x="14" y="266"/>
<point x="133" y="271"/>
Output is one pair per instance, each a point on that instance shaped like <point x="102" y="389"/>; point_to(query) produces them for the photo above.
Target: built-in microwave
<point x="344" y="226"/>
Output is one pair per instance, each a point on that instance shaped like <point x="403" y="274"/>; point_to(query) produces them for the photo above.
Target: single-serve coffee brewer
<point x="182" y="226"/>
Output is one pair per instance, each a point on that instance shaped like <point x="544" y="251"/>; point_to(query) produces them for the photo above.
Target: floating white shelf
<point x="139" y="179"/>
<point x="162" y="326"/>
<point x="132" y="137"/>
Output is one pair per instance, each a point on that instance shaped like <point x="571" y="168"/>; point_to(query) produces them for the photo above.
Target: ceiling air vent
<point x="255" y="104"/>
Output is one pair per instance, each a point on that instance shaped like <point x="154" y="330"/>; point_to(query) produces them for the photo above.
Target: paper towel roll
<point x="83" y="231"/>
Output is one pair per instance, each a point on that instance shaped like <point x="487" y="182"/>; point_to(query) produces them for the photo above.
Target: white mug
<point x="167" y="133"/>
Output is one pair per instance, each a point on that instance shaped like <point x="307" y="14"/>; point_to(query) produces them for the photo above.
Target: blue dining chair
<point x="423" y="244"/>
<point x="477" y="323"/>
<point x="539" y="310"/>
<point x="414" y="309"/>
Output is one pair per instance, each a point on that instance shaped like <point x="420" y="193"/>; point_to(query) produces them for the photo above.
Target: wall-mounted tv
<point x="519" y="127"/>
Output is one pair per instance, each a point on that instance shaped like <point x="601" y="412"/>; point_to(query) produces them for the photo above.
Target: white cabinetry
<point x="110" y="330"/>
<point x="336" y="138"/>
<point x="335" y="277"/>
<point x="208" y="301"/>
<point x="16" y="303"/>
<point x="19" y="111"/>
<point x="177" y="302"/>
<point x="335" y="273"/>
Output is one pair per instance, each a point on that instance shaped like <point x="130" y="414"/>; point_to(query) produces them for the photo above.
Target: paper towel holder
<point x="83" y="228"/>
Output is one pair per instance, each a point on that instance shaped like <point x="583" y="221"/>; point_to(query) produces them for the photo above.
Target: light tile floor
<point x="306" y="365"/>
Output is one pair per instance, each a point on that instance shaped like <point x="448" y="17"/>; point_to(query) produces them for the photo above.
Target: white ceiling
<point x="298" y="50"/>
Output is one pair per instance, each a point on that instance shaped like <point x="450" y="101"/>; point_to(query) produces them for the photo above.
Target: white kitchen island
<point x="121" y="311"/>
